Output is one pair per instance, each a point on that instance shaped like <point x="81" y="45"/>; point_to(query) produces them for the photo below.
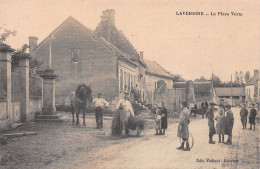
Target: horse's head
<point x="84" y="92"/>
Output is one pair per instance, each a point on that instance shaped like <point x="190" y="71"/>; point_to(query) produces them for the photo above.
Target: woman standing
<point x="164" y="122"/>
<point x="183" y="127"/>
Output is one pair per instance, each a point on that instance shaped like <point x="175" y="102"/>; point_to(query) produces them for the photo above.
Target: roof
<point x="155" y="69"/>
<point x="119" y="40"/>
<point x="179" y="85"/>
<point x="94" y="35"/>
<point x="253" y="80"/>
<point x="226" y="91"/>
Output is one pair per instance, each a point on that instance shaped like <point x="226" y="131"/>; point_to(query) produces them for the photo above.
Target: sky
<point x="192" y="46"/>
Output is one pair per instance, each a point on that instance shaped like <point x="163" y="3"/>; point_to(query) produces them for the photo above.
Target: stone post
<point x="5" y="81"/>
<point x="48" y="94"/>
<point x="23" y="67"/>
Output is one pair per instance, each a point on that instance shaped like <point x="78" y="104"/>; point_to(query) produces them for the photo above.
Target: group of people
<point x="161" y="119"/>
<point x="252" y="115"/>
<point x="100" y="104"/>
<point x="225" y="123"/>
<point x="194" y="108"/>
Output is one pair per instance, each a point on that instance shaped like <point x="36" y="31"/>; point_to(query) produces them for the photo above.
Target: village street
<point x="160" y="151"/>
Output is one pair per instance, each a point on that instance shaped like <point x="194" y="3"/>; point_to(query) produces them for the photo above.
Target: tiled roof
<point x="155" y="69"/>
<point x="119" y="40"/>
<point x="253" y="80"/>
<point x="226" y="91"/>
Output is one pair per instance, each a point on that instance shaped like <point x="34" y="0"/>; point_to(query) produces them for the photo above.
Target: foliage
<point x="5" y="33"/>
<point x="178" y="78"/>
<point x="216" y="81"/>
<point x="247" y="76"/>
<point x="201" y="79"/>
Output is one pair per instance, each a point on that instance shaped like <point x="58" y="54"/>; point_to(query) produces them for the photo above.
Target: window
<point x="125" y="84"/>
<point x="74" y="55"/>
<point x="121" y="81"/>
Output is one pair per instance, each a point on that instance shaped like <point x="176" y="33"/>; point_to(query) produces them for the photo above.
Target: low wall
<point x="14" y="115"/>
<point x="35" y="107"/>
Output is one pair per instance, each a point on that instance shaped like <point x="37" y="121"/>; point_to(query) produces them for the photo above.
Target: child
<point x="252" y="116"/>
<point x="158" y="117"/>
<point x="229" y="123"/>
<point x="220" y="126"/>
<point x="164" y="120"/>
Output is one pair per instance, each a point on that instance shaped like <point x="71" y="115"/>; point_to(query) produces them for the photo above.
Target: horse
<point x="80" y="100"/>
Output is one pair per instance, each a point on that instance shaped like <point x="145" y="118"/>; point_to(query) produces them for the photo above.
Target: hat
<point x="126" y="93"/>
<point x="99" y="94"/>
<point x="212" y="103"/>
<point x="221" y="99"/>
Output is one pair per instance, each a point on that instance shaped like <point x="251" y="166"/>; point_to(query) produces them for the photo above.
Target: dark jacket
<point x="164" y="123"/>
<point x="253" y="113"/>
<point x="204" y="105"/>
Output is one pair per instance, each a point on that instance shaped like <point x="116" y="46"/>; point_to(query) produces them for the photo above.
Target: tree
<point x="236" y="80"/>
<point x="247" y="76"/>
<point x="216" y="81"/>
<point x="5" y="33"/>
<point x="178" y="78"/>
<point x="201" y="79"/>
<point x="241" y="78"/>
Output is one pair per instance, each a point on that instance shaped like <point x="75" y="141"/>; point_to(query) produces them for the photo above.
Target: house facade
<point x="252" y="88"/>
<point x="234" y="96"/>
<point x="103" y="58"/>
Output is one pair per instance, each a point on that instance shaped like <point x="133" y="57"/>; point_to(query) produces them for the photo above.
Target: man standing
<point x="252" y="116"/>
<point x="243" y="115"/>
<point x="210" y="115"/>
<point x="229" y="124"/>
<point x="99" y="103"/>
<point x="183" y="127"/>
<point x="126" y="110"/>
<point x="204" y="106"/>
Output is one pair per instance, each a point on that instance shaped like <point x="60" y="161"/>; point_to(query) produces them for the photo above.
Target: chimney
<point x="256" y="72"/>
<point x="108" y="16"/>
<point x="32" y="43"/>
<point x="141" y="55"/>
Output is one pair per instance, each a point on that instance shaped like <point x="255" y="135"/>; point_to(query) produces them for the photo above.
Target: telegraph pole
<point x="231" y="92"/>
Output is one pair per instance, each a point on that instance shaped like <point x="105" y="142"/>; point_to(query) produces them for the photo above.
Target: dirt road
<point x="154" y="152"/>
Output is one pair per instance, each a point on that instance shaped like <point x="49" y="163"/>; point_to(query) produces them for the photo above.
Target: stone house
<point x="229" y="95"/>
<point x="154" y="74"/>
<point x="252" y="88"/>
<point x="103" y="58"/>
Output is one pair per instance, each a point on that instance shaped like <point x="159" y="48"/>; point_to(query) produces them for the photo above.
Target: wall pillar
<point x="23" y="67"/>
<point x="48" y="94"/>
<point x="5" y="82"/>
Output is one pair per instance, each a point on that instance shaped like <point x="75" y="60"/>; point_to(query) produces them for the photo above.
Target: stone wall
<point x="151" y="86"/>
<point x="171" y="97"/>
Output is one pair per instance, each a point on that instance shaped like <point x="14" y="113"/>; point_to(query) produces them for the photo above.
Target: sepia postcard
<point x="133" y="84"/>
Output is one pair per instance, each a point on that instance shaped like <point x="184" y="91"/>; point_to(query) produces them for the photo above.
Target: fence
<point x="35" y="87"/>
